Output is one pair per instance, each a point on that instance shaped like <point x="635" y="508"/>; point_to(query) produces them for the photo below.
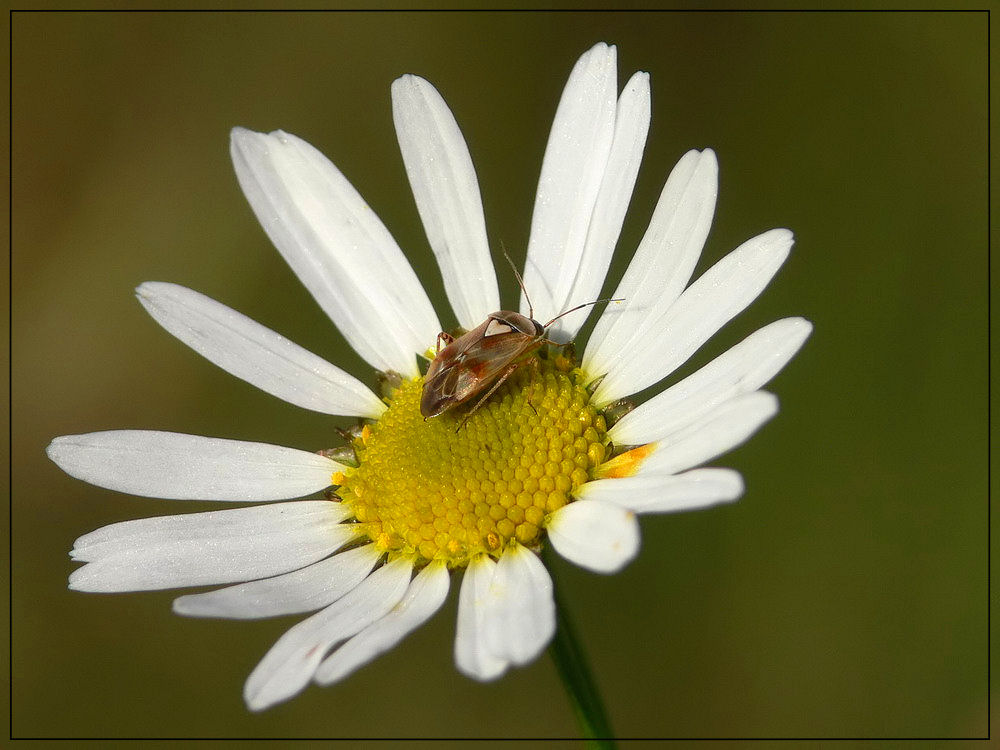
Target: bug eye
<point x="539" y="330"/>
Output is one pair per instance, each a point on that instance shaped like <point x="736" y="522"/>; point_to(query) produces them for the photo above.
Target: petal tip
<point x="150" y="291"/>
<point x="736" y="487"/>
<point x="408" y="79"/>
<point x="76" y="582"/>
<point x="769" y="404"/>
<point x="782" y="236"/>
<point x="144" y="288"/>
<point x="602" y="53"/>
<point x="253" y="701"/>
<point x="396" y="87"/>
<point x="240" y="134"/>
<point x="598" y="536"/>
<point x="805" y="327"/>
<point x="60" y="449"/>
<point x="639" y="80"/>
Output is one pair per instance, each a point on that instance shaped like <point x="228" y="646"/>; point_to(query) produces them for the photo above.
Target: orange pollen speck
<point x="626" y="464"/>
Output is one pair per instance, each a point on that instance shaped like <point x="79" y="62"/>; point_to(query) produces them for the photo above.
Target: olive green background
<point x="844" y="595"/>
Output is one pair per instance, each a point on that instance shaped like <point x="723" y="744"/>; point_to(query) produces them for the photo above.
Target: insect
<point x="483" y="358"/>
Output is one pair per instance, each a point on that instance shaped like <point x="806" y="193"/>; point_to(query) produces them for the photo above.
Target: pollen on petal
<point x="626" y="464"/>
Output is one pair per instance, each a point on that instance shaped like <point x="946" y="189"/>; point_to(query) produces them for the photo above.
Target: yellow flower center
<point x="449" y="489"/>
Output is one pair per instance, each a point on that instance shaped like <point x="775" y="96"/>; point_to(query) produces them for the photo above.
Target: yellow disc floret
<point x="468" y="482"/>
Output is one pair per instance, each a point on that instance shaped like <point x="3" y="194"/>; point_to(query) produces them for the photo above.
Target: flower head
<point x="531" y="446"/>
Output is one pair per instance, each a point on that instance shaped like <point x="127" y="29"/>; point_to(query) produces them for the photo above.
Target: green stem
<point x="571" y="663"/>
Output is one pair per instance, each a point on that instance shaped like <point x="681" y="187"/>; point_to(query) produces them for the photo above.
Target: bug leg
<point x="447" y="338"/>
<point x="534" y="381"/>
<point x="508" y="371"/>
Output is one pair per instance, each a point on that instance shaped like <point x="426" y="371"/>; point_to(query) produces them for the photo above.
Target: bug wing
<point x="440" y="381"/>
<point x="469" y="372"/>
<point x="439" y="389"/>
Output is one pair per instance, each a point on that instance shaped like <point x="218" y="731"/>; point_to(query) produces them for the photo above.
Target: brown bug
<point x="484" y="357"/>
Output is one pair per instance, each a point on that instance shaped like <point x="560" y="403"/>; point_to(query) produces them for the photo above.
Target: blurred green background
<point x="844" y="595"/>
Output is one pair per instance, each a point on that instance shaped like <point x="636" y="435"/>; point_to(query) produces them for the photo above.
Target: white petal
<point x="256" y="354"/>
<point x="595" y="535"/>
<point x="447" y="194"/>
<point x="631" y="127"/>
<point x="472" y="655"/>
<point x="212" y="525"/>
<point x="667" y="493"/>
<point x="744" y="368"/>
<point x="662" y="263"/>
<point x="337" y="247"/>
<point x="198" y="549"/>
<point x="292" y="661"/>
<point x="304" y="590"/>
<point x="572" y="170"/>
<point x="720" y="430"/>
<point x="521" y="616"/>
<point x="191" y="467"/>
<point x="704" y="307"/>
<point x="423" y="598"/>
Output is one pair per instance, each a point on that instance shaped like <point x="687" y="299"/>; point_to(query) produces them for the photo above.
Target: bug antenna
<point x="520" y="281"/>
<point x="580" y="307"/>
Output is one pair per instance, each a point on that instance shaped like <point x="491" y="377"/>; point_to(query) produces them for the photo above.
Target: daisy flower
<point x="555" y="455"/>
